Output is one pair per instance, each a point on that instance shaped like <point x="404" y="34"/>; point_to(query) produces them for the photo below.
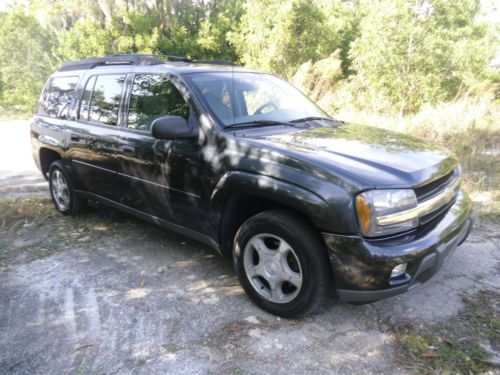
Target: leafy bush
<point x="26" y="59"/>
<point x="382" y="57"/>
<point x="417" y="52"/>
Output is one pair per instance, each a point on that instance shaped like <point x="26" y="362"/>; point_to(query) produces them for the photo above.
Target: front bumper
<point x="362" y="268"/>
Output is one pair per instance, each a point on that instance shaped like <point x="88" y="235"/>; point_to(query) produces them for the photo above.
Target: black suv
<point x="243" y="162"/>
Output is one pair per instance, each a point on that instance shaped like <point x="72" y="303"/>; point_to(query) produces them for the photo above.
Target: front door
<point x="161" y="177"/>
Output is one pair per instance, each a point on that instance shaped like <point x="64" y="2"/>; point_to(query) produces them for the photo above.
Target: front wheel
<point x="282" y="263"/>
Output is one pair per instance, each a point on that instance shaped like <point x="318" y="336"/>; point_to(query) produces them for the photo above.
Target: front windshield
<point x="240" y="98"/>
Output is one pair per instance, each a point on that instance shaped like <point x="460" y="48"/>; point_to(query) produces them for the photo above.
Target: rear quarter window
<point x="56" y="97"/>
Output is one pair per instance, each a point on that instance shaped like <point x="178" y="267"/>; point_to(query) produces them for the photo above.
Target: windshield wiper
<point x="257" y="123"/>
<point x="311" y="118"/>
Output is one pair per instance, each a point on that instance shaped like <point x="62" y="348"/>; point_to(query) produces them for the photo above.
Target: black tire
<point x="74" y="205"/>
<point x="307" y="247"/>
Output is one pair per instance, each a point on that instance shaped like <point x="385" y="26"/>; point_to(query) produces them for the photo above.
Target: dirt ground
<point x="107" y="293"/>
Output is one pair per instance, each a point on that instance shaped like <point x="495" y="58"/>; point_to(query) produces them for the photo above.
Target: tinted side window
<point x="56" y="97"/>
<point x="87" y="95"/>
<point x="106" y="98"/>
<point x="154" y="96"/>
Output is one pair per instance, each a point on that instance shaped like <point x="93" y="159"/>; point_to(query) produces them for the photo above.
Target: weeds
<point x="457" y="346"/>
<point x="27" y="210"/>
<point x="31" y="228"/>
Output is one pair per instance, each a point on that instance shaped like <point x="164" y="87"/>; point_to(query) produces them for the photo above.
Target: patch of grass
<point x="487" y="206"/>
<point x="488" y="215"/>
<point x="454" y="346"/>
<point x="27" y="229"/>
<point x="31" y="228"/>
<point x="18" y="211"/>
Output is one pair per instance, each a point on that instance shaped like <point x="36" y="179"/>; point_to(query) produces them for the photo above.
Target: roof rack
<point x="188" y="60"/>
<point x="132" y="59"/>
<point x="215" y="62"/>
<point x="110" y="60"/>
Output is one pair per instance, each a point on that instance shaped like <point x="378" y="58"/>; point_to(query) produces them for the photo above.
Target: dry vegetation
<point x="31" y="228"/>
<point x="462" y="345"/>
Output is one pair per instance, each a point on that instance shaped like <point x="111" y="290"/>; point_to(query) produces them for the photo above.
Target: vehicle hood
<point x="368" y="156"/>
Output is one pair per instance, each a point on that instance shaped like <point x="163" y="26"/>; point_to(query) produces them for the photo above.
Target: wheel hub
<point x="273" y="268"/>
<point x="60" y="190"/>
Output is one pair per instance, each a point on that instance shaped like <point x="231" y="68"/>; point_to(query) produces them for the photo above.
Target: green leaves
<point x="280" y="36"/>
<point x="416" y="53"/>
<point x="401" y="53"/>
<point x="26" y="59"/>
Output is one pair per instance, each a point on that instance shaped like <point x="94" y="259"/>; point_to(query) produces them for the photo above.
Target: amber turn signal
<point x="364" y="213"/>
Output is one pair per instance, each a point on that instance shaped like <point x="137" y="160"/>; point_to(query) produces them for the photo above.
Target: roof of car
<point x="172" y="64"/>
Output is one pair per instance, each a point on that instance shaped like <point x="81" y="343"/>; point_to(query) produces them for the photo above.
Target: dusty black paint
<point x="315" y="169"/>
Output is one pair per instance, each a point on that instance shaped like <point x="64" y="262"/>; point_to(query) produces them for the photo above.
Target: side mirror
<point x="172" y="127"/>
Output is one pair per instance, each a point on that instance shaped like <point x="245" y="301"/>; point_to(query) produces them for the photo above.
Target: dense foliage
<point x="401" y="53"/>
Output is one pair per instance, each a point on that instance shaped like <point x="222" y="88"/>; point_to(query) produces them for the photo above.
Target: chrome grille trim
<point x="426" y="207"/>
<point x="432" y="188"/>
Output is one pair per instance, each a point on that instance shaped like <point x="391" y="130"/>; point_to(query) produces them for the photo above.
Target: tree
<point x="402" y="52"/>
<point x="281" y="35"/>
<point x="215" y="29"/>
<point x="26" y="59"/>
<point x="417" y="52"/>
<point x="129" y="32"/>
<point x="165" y="28"/>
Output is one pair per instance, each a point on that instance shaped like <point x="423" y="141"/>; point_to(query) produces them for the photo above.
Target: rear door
<point x="162" y="177"/>
<point x="95" y="135"/>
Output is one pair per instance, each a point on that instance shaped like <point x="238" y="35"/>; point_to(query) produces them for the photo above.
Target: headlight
<point x="374" y="204"/>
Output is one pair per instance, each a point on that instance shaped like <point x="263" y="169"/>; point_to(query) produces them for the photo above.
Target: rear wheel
<point x="282" y="264"/>
<point x="62" y="191"/>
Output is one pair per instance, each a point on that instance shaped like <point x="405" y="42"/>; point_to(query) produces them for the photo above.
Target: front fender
<point x="285" y="193"/>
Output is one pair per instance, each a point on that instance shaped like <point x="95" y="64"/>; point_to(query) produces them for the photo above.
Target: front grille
<point x="436" y="213"/>
<point x="432" y="188"/>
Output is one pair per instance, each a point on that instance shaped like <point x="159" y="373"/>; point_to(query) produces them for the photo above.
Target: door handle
<point x="75" y="137"/>
<point x="128" y="149"/>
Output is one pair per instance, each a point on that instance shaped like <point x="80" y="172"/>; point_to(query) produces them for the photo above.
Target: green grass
<point x="453" y="347"/>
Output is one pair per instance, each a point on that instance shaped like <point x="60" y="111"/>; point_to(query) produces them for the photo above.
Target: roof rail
<point x="110" y="60"/>
<point x="174" y="58"/>
<point x="132" y="59"/>
<point x="215" y="62"/>
<point x="188" y="60"/>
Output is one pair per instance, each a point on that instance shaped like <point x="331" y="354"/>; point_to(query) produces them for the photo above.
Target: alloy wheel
<point x="273" y="268"/>
<point x="60" y="190"/>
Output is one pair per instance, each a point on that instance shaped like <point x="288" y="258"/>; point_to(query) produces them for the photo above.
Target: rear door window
<point x="154" y="96"/>
<point x="87" y="95"/>
<point x="56" y="98"/>
<point x="105" y="99"/>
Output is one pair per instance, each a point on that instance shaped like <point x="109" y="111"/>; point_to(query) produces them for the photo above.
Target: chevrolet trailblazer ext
<point x="245" y="163"/>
